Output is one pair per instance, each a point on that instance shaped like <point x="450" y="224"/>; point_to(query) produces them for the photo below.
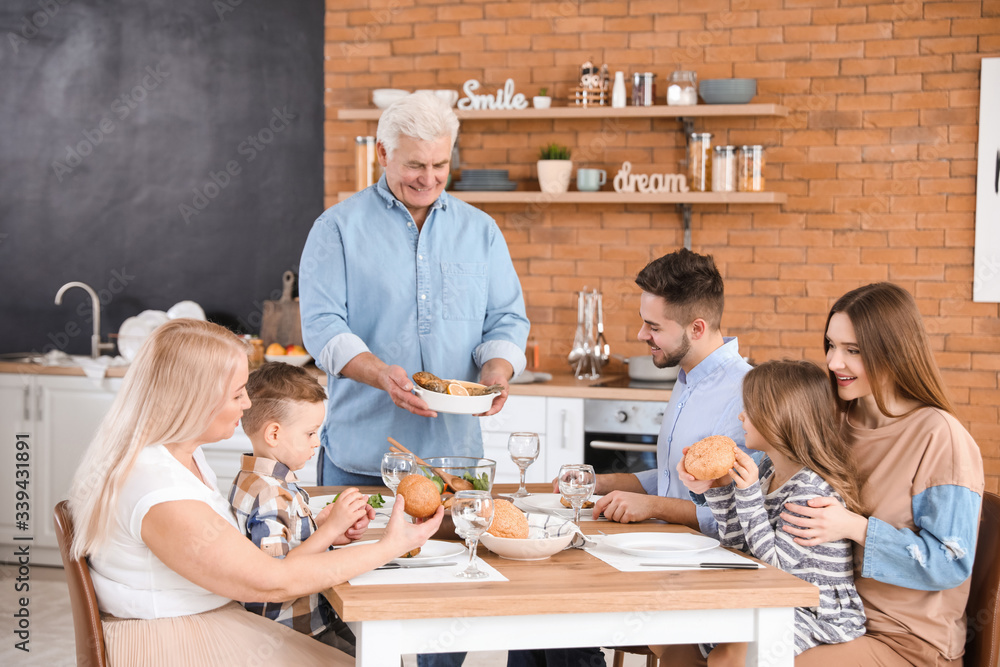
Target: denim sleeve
<point x="505" y="329"/>
<point x="939" y="554"/>
<point x="323" y="297"/>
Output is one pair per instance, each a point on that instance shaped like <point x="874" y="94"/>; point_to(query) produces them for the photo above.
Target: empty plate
<point x="660" y="545"/>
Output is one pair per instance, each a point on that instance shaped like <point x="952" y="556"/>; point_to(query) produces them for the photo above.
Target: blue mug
<point x="590" y="180"/>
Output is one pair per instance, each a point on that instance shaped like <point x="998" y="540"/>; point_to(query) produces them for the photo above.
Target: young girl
<point x="789" y="414"/>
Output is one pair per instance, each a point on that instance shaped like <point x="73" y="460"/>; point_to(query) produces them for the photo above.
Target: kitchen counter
<point x="563" y="384"/>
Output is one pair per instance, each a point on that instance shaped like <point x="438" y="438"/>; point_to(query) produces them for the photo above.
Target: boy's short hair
<point x="272" y="388"/>
<point x="690" y="284"/>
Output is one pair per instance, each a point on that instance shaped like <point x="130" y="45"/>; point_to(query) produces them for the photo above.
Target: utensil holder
<point x="588" y="365"/>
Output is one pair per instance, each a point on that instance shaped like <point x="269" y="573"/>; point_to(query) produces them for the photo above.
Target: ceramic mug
<point x="590" y="180"/>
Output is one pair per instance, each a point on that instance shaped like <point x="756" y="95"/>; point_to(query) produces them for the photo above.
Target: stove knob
<point x="621" y="416"/>
<point x="658" y="419"/>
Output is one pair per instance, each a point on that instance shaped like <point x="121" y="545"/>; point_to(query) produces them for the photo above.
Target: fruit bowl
<point x="383" y="97"/>
<point x="293" y="359"/>
<point x="547" y="535"/>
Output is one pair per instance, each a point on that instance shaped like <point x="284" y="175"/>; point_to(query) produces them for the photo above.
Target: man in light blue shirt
<point x="400" y="278"/>
<point x="681" y="309"/>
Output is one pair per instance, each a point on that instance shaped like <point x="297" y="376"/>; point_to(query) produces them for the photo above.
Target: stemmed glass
<point x="396" y="466"/>
<point x="472" y="513"/>
<point x="576" y="483"/>
<point x="523" y="448"/>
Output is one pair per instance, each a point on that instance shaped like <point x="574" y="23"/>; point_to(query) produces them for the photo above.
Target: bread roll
<point x="508" y="521"/>
<point x="711" y="457"/>
<point x="421" y="494"/>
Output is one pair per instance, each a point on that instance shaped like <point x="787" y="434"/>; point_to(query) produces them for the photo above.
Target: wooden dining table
<point x="574" y="599"/>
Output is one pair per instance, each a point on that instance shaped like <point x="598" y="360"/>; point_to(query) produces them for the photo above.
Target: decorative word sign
<point x="505" y="97"/>
<point x="626" y="181"/>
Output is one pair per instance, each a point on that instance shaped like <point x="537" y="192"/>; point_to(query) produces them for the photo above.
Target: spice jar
<point x="365" y="162"/>
<point x="724" y="169"/>
<point x="682" y="89"/>
<point x="751" y="168"/>
<point x="643" y="89"/>
<point x="700" y="161"/>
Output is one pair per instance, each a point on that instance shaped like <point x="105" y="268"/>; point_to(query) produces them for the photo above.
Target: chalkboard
<point x="159" y="151"/>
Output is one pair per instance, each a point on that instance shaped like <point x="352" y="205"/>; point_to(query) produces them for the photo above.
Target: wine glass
<point x="523" y="448"/>
<point x="576" y="483"/>
<point x="395" y="466"/>
<point x="472" y="513"/>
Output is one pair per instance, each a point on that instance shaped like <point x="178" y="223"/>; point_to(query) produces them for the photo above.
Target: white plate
<point x="134" y="330"/>
<point x="188" y="309"/>
<point x="550" y="503"/>
<point x="293" y="359"/>
<point x="431" y="551"/>
<point x="660" y="545"/>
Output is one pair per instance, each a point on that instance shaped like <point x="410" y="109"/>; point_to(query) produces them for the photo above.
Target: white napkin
<point x="427" y="575"/>
<point x="624" y="562"/>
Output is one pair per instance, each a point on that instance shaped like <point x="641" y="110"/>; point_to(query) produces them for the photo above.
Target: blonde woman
<point x="165" y="553"/>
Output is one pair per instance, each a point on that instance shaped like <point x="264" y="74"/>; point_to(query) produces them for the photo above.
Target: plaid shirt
<point x="274" y="512"/>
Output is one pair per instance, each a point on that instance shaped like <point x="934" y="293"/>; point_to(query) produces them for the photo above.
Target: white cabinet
<point x="59" y="415"/>
<point x="558" y="423"/>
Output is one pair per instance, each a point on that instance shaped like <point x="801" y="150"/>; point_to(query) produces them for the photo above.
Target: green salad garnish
<point x="375" y="500"/>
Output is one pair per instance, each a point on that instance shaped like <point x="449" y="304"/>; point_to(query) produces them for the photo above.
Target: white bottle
<point x="618" y="92"/>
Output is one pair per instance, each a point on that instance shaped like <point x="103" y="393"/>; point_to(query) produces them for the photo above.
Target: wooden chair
<point x="982" y="647"/>
<point x="89" y="633"/>
<point x="618" y="659"/>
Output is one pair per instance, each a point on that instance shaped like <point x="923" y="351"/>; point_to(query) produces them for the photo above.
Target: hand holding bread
<point x="744" y="471"/>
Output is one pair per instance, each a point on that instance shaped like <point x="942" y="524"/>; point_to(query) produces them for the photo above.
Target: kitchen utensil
<point x="578" y="350"/>
<point x="293" y="359"/>
<point x="727" y="91"/>
<point x="588" y="366"/>
<point x="603" y="349"/>
<point x="400" y="566"/>
<point x="280" y="321"/>
<point x="718" y="566"/>
<point x="383" y="97"/>
<point x="448" y="478"/>
<point x="459" y="405"/>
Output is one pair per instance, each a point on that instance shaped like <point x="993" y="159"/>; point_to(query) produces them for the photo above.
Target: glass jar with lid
<point x="682" y="89"/>
<point x="750" y="160"/>
<point x="700" y="161"/>
<point x="724" y="169"/>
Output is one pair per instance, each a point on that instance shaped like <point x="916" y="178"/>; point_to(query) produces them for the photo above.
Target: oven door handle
<point x="622" y="446"/>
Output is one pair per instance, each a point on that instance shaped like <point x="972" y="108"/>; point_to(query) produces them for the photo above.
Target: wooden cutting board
<point x="280" y="321"/>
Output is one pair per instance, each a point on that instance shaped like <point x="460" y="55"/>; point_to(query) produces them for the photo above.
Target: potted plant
<point x="542" y="99"/>
<point x="554" y="168"/>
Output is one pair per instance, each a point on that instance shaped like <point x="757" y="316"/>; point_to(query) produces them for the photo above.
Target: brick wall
<point x="878" y="157"/>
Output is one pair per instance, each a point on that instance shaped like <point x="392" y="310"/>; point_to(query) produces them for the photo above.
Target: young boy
<point x="283" y="424"/>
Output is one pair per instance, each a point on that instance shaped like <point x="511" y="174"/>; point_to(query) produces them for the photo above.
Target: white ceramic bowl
<point x="459" y="405"/>
<point x="450" y="97"/>
<point x="547" y="535"/>
<point x="383" y="97"/>
<point x="293" y="359"/>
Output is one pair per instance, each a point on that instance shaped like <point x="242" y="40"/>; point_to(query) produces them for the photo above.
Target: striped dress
<point x="749" y="521"/>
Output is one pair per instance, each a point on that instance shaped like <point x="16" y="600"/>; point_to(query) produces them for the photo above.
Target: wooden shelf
<point x="542" y="198"/>
<point x="661" y="111"/>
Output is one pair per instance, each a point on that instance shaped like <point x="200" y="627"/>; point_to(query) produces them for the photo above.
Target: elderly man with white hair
<point x="399" y="278"/>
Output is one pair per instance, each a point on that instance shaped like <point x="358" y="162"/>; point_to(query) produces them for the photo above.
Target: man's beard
<point x="678" y="354"/>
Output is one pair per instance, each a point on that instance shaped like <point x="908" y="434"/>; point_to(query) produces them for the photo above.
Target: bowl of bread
<point x="515" y="535"/>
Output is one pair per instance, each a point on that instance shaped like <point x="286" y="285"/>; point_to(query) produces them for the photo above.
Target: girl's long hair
<point x="170" y="394"/>
<point x="894" y="347"/>
<point x="791" y="404"/>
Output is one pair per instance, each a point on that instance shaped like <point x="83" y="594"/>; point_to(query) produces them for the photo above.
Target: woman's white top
<point x="129" y="580"/>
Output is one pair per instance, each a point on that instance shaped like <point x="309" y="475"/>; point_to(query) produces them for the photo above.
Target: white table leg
<point x="372" y="647"/>
<point x="774" y="644"/>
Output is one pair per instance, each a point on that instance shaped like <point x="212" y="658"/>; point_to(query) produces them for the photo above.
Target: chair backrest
<point x="86" y="616"/>
<point x="983" y="636"/>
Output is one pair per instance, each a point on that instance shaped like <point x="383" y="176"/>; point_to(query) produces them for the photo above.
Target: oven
<point x="620" y="435"/>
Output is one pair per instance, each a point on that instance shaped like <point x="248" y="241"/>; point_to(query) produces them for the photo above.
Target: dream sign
<point x="626" y="181"/>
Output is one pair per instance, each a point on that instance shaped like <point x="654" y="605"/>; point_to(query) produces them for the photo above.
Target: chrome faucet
<point x="95" y="340"/>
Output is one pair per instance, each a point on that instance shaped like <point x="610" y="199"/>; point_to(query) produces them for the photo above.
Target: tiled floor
<point x="51" y="642"/>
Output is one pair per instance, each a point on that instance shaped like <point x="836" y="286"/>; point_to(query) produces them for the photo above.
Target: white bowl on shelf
<point x="293" y="359"/>
<point x="383" y="97"/>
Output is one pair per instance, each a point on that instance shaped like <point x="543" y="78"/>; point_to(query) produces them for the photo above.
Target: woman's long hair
<point x="171" y="393"/>
<point x="894" y="347"/>
<point x="791" y="405"/>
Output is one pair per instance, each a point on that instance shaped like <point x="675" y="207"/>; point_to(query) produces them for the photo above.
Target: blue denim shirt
<point x="445" y="300"/>
<point x="707" y="401"/>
